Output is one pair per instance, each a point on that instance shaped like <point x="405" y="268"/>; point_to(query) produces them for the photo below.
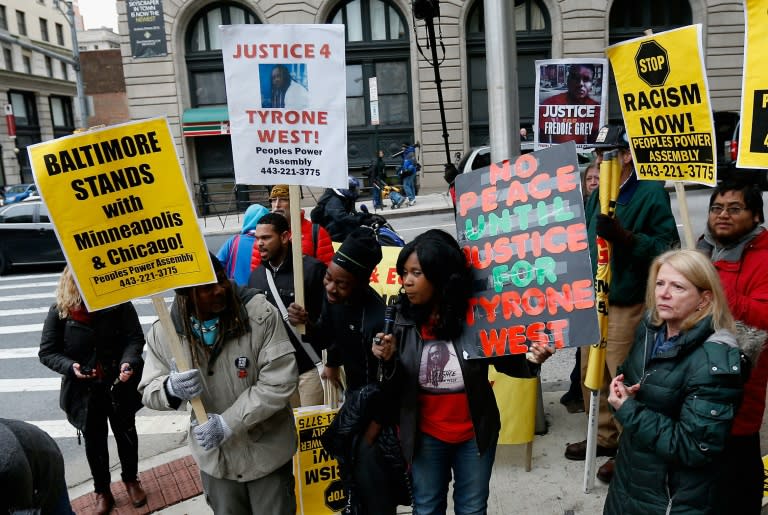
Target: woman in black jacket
<point x="99" y="356"/>
<point x="449" y="421"/>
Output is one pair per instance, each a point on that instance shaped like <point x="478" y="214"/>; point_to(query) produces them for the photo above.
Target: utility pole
<point x="501" y="74"/>
<point x="69" y="15"/>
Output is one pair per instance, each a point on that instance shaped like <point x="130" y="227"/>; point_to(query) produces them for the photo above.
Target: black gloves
<point x="611" y="229"/>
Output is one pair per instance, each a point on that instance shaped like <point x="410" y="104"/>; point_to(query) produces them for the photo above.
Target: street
<point x="29" y="391"/>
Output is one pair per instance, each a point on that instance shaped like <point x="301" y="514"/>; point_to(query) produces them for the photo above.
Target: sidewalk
<point x="429" y="201"/>
<point x="552" y="487"/>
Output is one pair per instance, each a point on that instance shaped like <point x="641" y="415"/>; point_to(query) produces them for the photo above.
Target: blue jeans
<point x="432" y="465"/>
<point x="409" y="185"/>
<point x="376" y="191"/>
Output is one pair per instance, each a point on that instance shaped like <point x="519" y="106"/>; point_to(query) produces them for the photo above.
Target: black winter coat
<point x="336" y="214"/>
<point x="113" y="337"/>
<point x="404" y="383"/>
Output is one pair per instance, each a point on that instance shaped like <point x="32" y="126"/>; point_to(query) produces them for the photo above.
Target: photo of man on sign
<point x="569" y="99"/>
<point x="283" y="88"/>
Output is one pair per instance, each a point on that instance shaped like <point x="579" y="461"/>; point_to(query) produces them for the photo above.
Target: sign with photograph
<point x="286" y="92"/>
<point x="570" y="98"/>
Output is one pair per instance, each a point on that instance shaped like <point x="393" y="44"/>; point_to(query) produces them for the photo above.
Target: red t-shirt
<point x="443" y="400"/>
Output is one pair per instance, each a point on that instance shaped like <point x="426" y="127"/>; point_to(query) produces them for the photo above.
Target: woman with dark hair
<point x="449" y="422"/>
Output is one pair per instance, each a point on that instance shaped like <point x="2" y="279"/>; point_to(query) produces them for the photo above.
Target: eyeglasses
<point x="717" y="209"/>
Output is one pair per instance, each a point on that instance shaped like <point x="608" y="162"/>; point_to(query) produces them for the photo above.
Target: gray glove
<point x="213" y="433"/>
<point x="184" y="385"/>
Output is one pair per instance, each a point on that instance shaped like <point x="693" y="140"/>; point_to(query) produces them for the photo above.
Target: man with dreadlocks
<point x="237" y="340"/>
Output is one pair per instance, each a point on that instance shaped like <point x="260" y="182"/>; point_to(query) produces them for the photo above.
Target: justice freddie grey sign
<point x="146" y="27"/>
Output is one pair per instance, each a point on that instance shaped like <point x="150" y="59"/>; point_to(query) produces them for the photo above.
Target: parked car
<point x="27" y="236"/>
<point x="480" y="157"/>
<point x="728" y="171"/>
<point x="19" y="192"/>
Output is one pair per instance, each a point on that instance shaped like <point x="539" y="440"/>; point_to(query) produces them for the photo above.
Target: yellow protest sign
<point x="753" y="141"/>
<point x="318" y="487"/>
<point x="384" y="278"/>
<point x="664" y="99"/>
<point x="122" y="211"/>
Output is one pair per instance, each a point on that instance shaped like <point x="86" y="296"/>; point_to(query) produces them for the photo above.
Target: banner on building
<point x="521" y="225"/>
<point x="571" y="96"/>
<point x="286" y="92"/>
<point x="753" y="140"/>
<point x="146" y="28"/>
<point x="122" y="212"/>
<point x="664" y="99"/>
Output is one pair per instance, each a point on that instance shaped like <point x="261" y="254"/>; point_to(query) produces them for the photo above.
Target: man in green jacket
<point x="643" y="228"/>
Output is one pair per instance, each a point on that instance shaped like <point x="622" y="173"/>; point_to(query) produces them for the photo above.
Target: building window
<point x="534" y="41"/>
<point x="64" y="70"/>
<point x="61" y="115"/>
<point x="377" y="46"/>
<point x="27" y="128"/>
<point x="59" y="34"/>
<point x="27" y="61"/>
<point x="8" y="57"/>
<point x="21" y="20"/>
<point x="629" y="19"/>
<point x="3" y="18"/>
<point x="203" y="55"/>
<point x="48" y="66"/>
<point x="44" y="30"/>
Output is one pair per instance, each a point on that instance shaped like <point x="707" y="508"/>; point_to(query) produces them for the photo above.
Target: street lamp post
<point x="69" y="15"/>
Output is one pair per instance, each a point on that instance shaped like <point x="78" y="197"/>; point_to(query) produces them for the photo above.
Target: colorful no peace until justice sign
<point x="521" y="224"/>
<point x="122" y="211"/>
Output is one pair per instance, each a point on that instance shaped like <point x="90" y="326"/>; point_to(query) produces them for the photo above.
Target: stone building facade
<point x="187" y="84"/>
<point x="39" y="87"/>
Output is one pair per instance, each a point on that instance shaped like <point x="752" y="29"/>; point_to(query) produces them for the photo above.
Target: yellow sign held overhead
<point x="753" y="141"/>
<point x="122" y="211"/>
<point x="664" y="99"/>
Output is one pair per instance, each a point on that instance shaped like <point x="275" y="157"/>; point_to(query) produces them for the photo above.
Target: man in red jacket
<point x="315" y="240"/>
<point x="738" y="246"/>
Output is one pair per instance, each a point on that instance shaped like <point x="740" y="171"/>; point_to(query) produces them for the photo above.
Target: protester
<point x="274" y="244"/>
<point x="335" y="210"/>
<point x="573" y="399"/>
<point x="737" y="244"/>
<point x="99" y="356"/>
<point x="408" y="170"/>
<point x="643" y="228"/>
<point x="377" y="178"/>
<point x="236" y="253"/>
<point x="315" y="240"/>
<point x="449" y="421"/>
<point x="579" y="89"/>
<point x="676" y="394"/>
<point x="31" y="471"/>
<point x="244" y="372"/>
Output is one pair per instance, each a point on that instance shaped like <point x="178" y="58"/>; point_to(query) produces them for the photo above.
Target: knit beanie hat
<point x="279" y="191"/>
<point x="360" y="253"/>
<point x="217" y="267"/>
